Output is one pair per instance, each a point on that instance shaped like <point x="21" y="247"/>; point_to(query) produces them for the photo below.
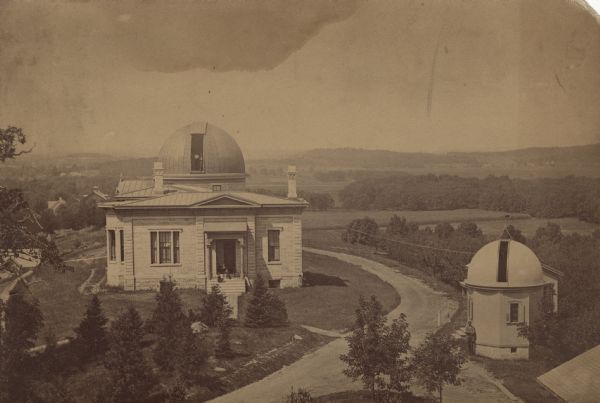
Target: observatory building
<point x="194" y="222"/>
<point x="505" y="286"/>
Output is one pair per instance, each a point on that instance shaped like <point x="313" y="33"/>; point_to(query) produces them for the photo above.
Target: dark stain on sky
<point x="250" y="36"/>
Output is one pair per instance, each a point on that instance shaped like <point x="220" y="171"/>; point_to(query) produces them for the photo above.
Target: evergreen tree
<point x="223" y="348"/>
<point x="50" y="358"/>
<point x="130" y="378"/>
<point x="214" y="307"/>
<point x="264" y="308"/>
<point x="170" y="324"/>
<point x="438" y="362"/>
<point x="192" y="357"/>
<point x="22" y="320"/>
<point x="377" y="353"/>
<point x="91" y="333"/>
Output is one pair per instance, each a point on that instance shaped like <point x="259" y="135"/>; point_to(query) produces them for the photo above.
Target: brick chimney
<point x="292" y="194"/>
<point x="158" y="172"/>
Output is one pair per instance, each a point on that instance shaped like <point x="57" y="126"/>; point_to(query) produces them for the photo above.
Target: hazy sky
<point x="422" y="75"/>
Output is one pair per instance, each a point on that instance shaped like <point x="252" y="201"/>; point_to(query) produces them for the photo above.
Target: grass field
<point x="329" y="303"/>
<point x="491" y="222"/>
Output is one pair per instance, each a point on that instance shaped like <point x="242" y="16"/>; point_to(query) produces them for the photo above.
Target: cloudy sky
<point x="422" y="75"/>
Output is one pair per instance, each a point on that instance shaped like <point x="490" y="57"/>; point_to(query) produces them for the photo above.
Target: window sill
<point x="275" y="263"/>
<point x="166" y="265"/>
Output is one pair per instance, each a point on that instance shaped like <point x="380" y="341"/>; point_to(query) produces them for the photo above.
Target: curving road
<point x="320" y="372"/>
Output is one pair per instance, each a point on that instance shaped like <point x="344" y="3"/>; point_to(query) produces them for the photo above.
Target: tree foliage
<point x="546" y="197"/>
<point x="438" y="255"/>
<point x="19" y="225"/>
<point x="377" y="353"/>
<point x="91" y="337"/>
<point x="264" y="308"/>
<point x="575" y="327"/>
<point x="214" y="307"/>
<point x="170" y="324"/>
<point x="11" y="139"/>
<point x="130" y="378"/>
<point x="437" y="362"/>
<point x="362" y="231"/>
<point x="22" y="322"/>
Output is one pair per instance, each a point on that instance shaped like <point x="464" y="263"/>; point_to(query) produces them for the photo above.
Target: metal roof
<point x="576" y="380"/>
<point x="133" y="185"/>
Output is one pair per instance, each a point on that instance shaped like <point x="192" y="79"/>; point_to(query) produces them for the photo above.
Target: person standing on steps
<point x="471" y="337"/>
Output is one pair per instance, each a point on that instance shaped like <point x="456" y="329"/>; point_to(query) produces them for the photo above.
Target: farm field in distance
<point x="491" y="222"/>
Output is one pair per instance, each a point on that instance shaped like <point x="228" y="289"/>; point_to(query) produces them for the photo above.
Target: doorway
<point x="226" y="258"/>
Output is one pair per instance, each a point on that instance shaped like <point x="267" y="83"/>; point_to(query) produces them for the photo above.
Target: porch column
<point x="213" y="260"/>
<point x="239" y="256"/>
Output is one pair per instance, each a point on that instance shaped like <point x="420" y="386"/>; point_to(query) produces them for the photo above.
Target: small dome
<point x="213" y="150"/>
<point x="505" y="263"/>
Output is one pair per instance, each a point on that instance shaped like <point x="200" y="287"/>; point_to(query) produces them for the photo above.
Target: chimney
<point x="292" y="182"/>
<point x="158" y="172"/>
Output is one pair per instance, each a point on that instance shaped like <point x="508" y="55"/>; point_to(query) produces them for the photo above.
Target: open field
<point x="340" y="218"/>
<point x="329" y="303"/>
<point x="491" y="222"/>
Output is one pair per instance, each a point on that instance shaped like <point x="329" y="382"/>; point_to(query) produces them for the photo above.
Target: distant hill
<point x="528" y="162"/>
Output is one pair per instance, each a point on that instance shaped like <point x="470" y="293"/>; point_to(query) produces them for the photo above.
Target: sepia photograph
<point x="298" y="201"/>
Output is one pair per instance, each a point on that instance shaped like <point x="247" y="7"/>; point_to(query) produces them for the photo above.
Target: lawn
<point x="63" y="306"/>
<point x="331" y="298"/>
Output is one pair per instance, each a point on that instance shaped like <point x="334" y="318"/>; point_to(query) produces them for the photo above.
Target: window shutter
<point x="524" y="319"/>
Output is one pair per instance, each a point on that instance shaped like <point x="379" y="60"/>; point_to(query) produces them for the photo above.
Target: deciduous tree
<point x="377" y="353"/>
<point x="438" y="362"/>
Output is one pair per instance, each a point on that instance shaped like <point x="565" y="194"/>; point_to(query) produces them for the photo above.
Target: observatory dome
<point x="201" y="148"/>
<point x="505" y="263"/>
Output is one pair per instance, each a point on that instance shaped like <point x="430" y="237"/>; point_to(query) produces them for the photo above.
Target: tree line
<point x="546" y="197"/>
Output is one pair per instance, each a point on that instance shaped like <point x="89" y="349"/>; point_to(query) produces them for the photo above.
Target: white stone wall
<point x="496" y="336"/>
<point x="137" y="272"/>
<point x="289" y="268"/>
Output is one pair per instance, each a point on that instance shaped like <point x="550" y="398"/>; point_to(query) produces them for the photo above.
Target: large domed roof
<point x="505" y="263"/>
<point x="216" y="151"/>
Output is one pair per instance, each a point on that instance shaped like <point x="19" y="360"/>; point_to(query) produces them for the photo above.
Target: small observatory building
<point x="505" y="286"/>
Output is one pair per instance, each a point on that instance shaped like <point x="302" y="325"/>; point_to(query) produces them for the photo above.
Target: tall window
<point x="514" y="312"/>
<point x="112" y="252"/>
<point x="164" y="247"/>
<point x="273" y="236"/>
<point x="122" y="244"/>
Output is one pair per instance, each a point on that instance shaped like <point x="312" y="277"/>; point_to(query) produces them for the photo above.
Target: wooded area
<point x="547" y="198"/>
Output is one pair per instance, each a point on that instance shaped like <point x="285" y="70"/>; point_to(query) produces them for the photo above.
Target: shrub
<point x="264" y="308"/>
<point x="299" y="396"/>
